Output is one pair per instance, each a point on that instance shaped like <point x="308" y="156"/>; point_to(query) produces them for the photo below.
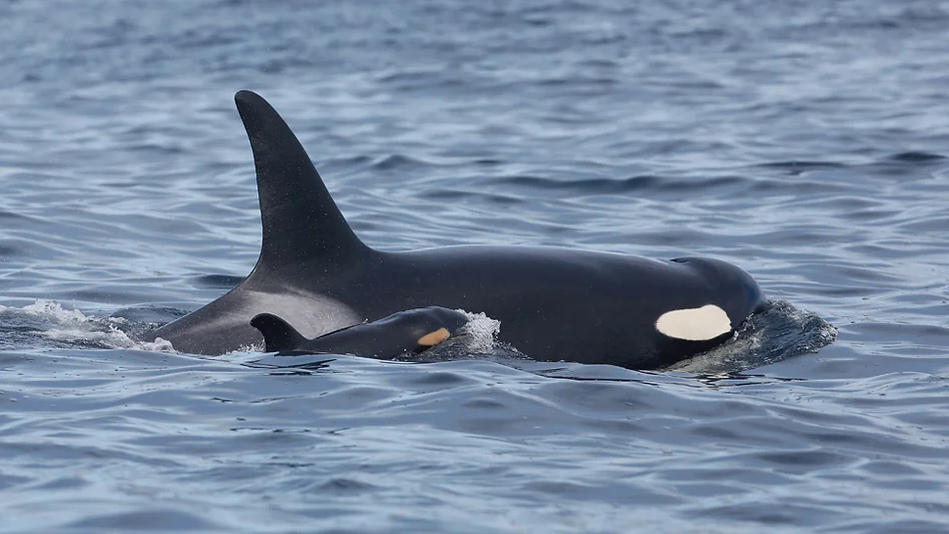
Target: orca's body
<point x="553" y="304"/>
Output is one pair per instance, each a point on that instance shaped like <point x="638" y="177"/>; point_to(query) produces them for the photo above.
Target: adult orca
<point x="553" y="303"/>
<point x="400" y="334"/>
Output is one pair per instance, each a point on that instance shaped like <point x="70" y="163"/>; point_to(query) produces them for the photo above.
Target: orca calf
<point x="402" y="333"/>
<point x="554" y="304"/>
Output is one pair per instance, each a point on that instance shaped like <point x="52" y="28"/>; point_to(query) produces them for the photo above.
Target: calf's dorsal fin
<point x="278" y="335"/>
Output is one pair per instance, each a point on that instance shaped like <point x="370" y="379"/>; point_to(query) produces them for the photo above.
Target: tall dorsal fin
<point x="299" y="217"/>
<point x="278" y="334"/>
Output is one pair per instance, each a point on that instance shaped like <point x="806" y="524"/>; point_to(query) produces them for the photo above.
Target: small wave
<point x="47" y="321"/>
<point x="50" y="311"/>
<point x="216" y="281"/>
<point x="777" y="332"/>
<point x="398" y="162"/>
<point x="794" y="167"/>
<point x="113" y="338"/>
<point x="915" y="157"/>
<point x="608" y="186"/>
<point x="462" y="195"/>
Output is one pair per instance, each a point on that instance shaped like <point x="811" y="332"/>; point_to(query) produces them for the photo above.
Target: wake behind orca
<point x="554" y="304"/>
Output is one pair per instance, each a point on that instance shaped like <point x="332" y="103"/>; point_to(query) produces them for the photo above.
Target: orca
<point x="553" y="304"/>
<point x="400" y="334"/>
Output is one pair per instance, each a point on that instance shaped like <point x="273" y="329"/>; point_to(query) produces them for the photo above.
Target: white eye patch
<point x="694" y="324"/>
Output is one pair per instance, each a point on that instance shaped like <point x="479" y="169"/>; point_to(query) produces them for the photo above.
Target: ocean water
<point x="806" y="142"/>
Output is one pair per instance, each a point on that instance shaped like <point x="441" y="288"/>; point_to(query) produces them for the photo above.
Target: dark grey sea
<point x="803" y="141"/>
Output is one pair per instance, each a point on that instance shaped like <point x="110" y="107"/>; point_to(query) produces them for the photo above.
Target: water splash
<point x="777" y="332"/>
<point x="47" y="322"/>
<point x="482" y="332"/>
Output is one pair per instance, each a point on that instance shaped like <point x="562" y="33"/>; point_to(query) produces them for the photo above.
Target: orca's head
<point x="724" y="297"/>
<point x="429" y="326"/>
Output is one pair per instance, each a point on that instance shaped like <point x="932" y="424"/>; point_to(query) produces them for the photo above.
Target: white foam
<point x="482" y="331"/>
<point x="51" y="311"/>
<point x="252" y="347"/>
<point x="113" y="338"/>
<point x="73" y="326"/>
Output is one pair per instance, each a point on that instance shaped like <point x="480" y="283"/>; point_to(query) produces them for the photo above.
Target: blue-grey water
<point x="803" y="141"/>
